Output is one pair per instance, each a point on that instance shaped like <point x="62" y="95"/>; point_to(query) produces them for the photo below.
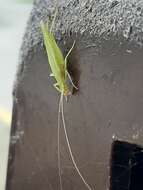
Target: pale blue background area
<point x="13" y="17"/>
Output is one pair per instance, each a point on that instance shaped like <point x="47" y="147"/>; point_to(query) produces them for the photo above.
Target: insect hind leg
<point x="71" y="81"/>
<point x="69" y="54"/>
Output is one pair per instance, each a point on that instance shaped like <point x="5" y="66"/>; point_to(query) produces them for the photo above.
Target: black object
<point x="126" y="166"/>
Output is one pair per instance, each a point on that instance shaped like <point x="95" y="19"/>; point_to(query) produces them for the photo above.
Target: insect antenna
<point x="69" y="146"/>
<point x="59" y="157"/>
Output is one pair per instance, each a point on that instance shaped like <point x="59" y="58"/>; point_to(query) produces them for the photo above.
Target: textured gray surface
<point x="100" y="18"/>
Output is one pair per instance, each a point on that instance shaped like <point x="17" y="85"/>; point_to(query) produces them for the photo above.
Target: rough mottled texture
<point x="100" y="18"/>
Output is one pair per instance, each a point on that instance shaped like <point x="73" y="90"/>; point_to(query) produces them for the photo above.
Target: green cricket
<point x="58" y="65"/>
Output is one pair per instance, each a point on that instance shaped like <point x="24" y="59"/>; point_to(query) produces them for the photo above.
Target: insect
<point x="58" y="65"/>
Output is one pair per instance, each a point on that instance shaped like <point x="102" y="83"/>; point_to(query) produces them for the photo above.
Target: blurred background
<point x="13" y="17"/>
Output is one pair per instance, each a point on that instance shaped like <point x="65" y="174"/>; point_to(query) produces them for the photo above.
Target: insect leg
<point x="56" y="86"/>
<point x="51" y="75"/>
<point x="69" y="54"/>
<point x="71" y="81"/>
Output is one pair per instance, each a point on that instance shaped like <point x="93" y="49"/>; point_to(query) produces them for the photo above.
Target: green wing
<point x="55" y="57"/>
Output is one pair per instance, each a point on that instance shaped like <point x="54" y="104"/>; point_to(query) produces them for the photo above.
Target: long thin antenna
<point x="59" y="157"/>
<point x="69" y="146"/>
